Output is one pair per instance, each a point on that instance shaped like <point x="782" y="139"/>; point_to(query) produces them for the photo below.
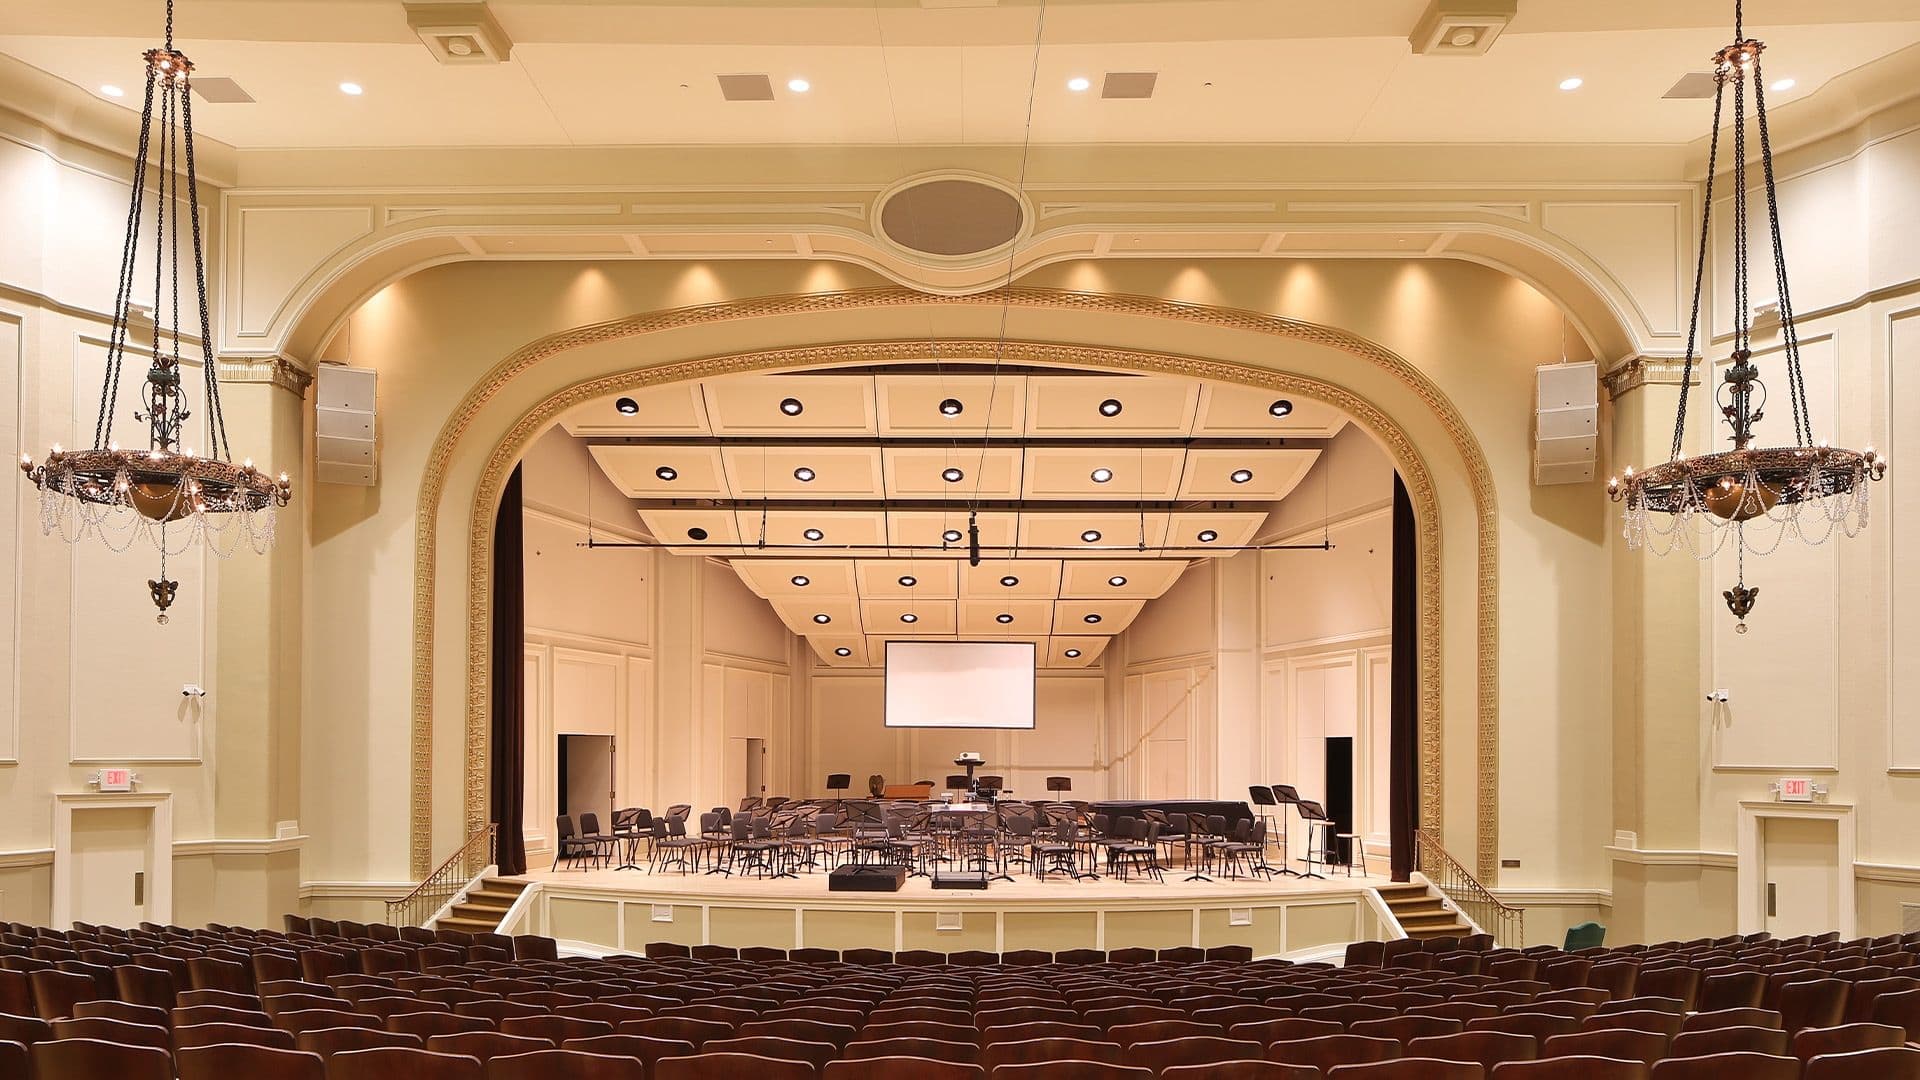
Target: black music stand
<point x="839" y="782"/>
<point x="1316" y="817"/>
<point x="1059" y="783"/>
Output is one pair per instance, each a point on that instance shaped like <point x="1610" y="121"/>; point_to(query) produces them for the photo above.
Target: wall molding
<point x="26" y="858"/>
<point x="1713" y="860"/>
<point x="354" y="890"/>
<point x="1552" y="897"/>
<point x="276" y="846"/>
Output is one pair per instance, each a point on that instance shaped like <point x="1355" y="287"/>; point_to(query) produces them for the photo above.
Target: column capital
<point x="269" y="370"/>
<point x="1638" y="371"/>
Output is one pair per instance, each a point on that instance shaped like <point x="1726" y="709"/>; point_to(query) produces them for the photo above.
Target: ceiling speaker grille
<point x="745" y="87"/>
<point x="1129" y="84"/>
<point x="1692" y="86"/>
<point x="220" y="90"/>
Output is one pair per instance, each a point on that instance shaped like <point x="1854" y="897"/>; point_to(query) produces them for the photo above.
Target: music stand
<point x="1059" y="783"/>
<point x="840" y="782"/>
<point x="1315" y="816"/>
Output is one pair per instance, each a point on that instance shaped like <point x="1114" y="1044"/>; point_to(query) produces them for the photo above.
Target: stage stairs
<point x="483" y="907"/>
<point x="1423" y="911"/>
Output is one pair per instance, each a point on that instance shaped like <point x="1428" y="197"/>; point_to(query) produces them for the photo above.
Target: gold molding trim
<point x="1643" y="371"/>
<point x="509" y="449"/>
<point x="271" y="370"/>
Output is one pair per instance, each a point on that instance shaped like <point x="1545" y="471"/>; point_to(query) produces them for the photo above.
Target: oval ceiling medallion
<point x="951" y="217"/>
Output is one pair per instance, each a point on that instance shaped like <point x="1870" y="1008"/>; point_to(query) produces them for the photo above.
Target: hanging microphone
<point x="973" y="539"/>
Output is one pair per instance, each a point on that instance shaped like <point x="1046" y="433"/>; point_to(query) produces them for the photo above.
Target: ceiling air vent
<point x="745" y="87"/>
<point x="1460" y="27"/>
<point x="460" y="33"/>
<point x="1129" y="84"/>
<point x="221" y="91"/>
<point x="1692" y="86"/>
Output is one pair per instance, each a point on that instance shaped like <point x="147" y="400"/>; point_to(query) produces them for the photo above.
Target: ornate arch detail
<point x="503" y="455"/>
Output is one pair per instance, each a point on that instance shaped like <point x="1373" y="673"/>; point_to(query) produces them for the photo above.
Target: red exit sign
<point x="116" y="779"/>
<point x="1796" y="789"/>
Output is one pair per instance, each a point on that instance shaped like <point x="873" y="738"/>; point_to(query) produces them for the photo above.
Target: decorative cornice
<point x="273" y="370"/>
<point x="1639" y="371"/>
<point x="1554" y="897"/>
<point x="26" y="859"/>
<point x="1717" y="860"/>
<point x="354" y="890"/>
<point x="280" y="845"/>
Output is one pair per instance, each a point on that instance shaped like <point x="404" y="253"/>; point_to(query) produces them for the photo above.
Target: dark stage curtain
<point x="508" y="753"/>
<point x="1403" y="788"/>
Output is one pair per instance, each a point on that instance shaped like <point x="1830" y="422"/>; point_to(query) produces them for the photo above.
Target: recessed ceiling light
<point x="803" y="474"/>
<point x="951" y="536"/>
<point x="791" y="406"/>
<point x="1110" y="407"/>
<point x="843" y="651"/>
<point x="951" y="407"/>
<point x="909" y="581"/>
<point x="111" y="90"/>
<point x="1780" y="86"/>
<point x="909" y="617"/>
<point x="1091" y="618"/>
<point x="626" y="406"/>
<point x="1101" y="476"/>
<point x="696" y="533"/>
<point x="666" y="472"/>
<point x="1073" y="654"/>
<point x="1079" y="84"/>
<point x="823" y="618"/>
<point x="351" y="89"/>
<point x="1208" y="536"/>
<point x="799" y="86"/>
<point x="801" y="580"/>
<point x="1116" y="581"/>
<point x="951" y="476"/>
<point x="814" y="534"/>
<point x="1280" y="408"/>
<point x="1009" y="581"/>
<point x="1091" y="536"/>
<point x="1003" y="617"/>
<point x="1240" y="476"/>
<point x="1573" y="83"/>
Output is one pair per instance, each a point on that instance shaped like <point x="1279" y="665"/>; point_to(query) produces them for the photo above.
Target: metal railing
<point x="446" y="880"/>
<point x="1508" y="925"/>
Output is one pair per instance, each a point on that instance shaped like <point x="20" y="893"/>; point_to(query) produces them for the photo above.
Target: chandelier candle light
<point x="1752" y="497"/>
<point x="166" y="493"/>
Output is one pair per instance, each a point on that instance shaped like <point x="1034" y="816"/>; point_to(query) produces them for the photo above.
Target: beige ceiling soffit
<point x="1461" y="27"/>
<point x="1854" y="110"/>
<point x="460" y="33"/>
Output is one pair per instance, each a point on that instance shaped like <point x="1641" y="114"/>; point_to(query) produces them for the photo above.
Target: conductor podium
<point x="867" y="879"/>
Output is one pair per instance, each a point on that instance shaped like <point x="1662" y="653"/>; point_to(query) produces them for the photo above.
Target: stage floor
<point x="622" y="910"/>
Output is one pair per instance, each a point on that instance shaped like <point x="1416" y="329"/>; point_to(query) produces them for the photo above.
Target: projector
<point x="971" y="756"/>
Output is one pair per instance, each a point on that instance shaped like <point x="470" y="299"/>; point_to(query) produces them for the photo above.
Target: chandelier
<point x="166" y="493"/>
<point x="1749" y="497"/>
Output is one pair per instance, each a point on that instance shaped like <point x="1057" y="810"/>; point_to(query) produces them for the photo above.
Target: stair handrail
<point x="447" y="879"/>
<point x="1506" y="923"/>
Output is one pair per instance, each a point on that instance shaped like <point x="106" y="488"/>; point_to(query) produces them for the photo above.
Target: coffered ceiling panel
<point x="918" y="578"/>
<point x="797" y="577"/>
<point x="956" y="406"/>
<point x="1091" y="535"/>
<point x="1091" y="617"/>
<point x="1113" y="579"/>
<point x="943" y="533"/>
<point x="657" y="471"/>
<point x="1212" y="533"/>
<point x="1062" y="651"/>
<point x="1256" y="475"/>
<point x="677" y="409"/>
<point x="1228" y="411"/>
<point x="845" y="532"/>
<point x="829" y="647"/>
<point x="803" y="472"/>
<point x="953" y="472"/>
<point x="996" y="578"/>
<point x="1129" y="474"/>
<point x="910" y="617"/>
<point x="835" y="615"/>
<point x="1006" y="616"/>
<point x="693" y="532"/>
<point x="791" y="405"/>
<point x="1065" y="405"/>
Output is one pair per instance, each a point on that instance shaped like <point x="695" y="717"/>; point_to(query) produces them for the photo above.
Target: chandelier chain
<point x="1789" y="328"/>
<point x="216" y="414"/>
<point x="123" y="295"/>
<point x="1699" y="284"/>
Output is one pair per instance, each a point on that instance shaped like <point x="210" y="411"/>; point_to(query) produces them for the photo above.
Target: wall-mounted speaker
<point x="1566" y="422"/>
<point x="344" y="450"/>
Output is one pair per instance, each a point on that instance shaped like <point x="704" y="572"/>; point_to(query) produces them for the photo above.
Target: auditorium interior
<point x="960" y="539"/>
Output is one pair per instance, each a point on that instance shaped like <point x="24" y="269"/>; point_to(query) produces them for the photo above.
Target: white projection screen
<point x="960" y="684"/>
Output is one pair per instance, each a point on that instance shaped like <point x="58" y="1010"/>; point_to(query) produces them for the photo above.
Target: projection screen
<point x="960" y="684"/>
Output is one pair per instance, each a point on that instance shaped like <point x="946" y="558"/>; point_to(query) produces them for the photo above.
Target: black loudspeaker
<point x="867" y="879"/>
<point x="1340" y="794"/>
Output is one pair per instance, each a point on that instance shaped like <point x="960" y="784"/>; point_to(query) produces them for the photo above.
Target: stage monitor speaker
<point x="959" y="879"/>
<point x="1566" y="440"/>
<point x="1340" y="794"/>
<point x="867" y="879"/>
<point x="343" y="425"/>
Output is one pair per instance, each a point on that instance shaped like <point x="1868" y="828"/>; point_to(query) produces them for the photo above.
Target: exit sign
<point x="116" y="779"/>
<point x="1796" y="789"/>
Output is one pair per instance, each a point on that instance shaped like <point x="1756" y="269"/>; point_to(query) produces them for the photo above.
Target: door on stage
<point x="756" y="763"/>
<point x="584" y="777"/>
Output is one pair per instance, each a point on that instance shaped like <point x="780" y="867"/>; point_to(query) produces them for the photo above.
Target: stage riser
<point x="1270" y="924"/>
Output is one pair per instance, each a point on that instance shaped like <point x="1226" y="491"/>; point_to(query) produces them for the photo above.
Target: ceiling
<point x="883" y="72"/>
<point x="846" y="499"/>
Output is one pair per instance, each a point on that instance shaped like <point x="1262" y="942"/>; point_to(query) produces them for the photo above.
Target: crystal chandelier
<point x="1749" y="497"/>
<point x="166" y="493"/>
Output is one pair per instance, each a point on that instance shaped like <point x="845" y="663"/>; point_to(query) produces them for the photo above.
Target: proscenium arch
<point x="511" y="445"/>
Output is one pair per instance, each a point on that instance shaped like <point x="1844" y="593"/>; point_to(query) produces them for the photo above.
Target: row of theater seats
<point x="683" y="1018"/>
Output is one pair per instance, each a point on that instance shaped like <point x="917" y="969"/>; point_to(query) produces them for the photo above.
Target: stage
<point x="622" y="910"/>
